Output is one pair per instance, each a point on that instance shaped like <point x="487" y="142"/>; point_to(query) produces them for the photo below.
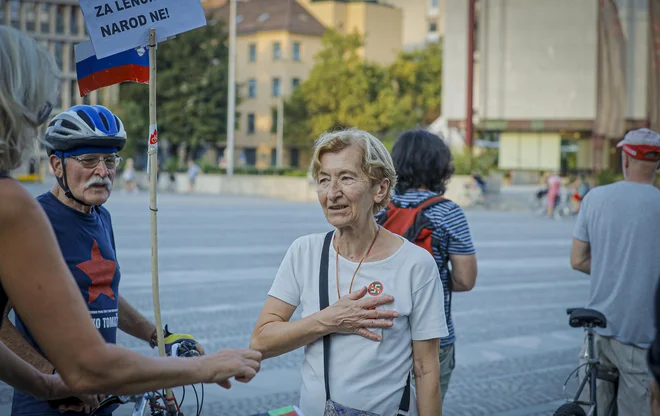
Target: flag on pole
<point x="92" y="73"/>
<point x="654" y="66"/>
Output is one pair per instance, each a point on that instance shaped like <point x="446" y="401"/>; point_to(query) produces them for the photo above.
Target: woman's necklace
<point x="350" y="288"/>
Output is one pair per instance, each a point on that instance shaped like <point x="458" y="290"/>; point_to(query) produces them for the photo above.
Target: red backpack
<point x="410" y="222"/>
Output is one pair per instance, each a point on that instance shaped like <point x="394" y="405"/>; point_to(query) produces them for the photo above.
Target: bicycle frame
<point x="592" y="377"/>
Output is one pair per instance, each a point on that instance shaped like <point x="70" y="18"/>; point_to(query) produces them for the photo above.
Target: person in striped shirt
<point x="423" y="163"/>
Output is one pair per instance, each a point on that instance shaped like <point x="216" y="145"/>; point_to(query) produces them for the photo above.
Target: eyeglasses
<point x="90" y="162"/>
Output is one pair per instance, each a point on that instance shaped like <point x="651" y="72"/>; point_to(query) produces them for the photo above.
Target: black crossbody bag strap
<point x="324" y="302"/>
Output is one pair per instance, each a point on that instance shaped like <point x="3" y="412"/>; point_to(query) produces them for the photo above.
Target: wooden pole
<point x="153" y="204"/>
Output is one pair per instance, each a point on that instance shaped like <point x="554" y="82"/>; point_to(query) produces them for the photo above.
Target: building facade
<point x="423" y="22"/>
<point x="58" y="24"/>
<point x="276" y="43"/>
<point x="536" y="78"/>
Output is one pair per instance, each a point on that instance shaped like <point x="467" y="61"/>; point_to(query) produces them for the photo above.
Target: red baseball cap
<point x="641" y="144"/>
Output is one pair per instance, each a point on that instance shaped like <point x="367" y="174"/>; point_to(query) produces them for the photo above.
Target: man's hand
<point x="243" y="365"/>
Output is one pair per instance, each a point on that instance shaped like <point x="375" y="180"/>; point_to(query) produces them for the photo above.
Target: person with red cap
<point x="616" y="241"/>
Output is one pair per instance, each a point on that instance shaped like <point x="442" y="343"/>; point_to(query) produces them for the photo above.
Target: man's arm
<point x="133" y="322"/>
<point x="427" y="377"/>
<point x="581" y="256"/>
<point x="13" y="340"/>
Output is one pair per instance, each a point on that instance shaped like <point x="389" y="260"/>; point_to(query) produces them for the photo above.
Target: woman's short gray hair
<point x="28" y="81"/>
<point x="376" y="160"/>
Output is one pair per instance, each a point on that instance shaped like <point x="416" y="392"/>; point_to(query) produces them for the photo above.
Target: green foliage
<point x="251" y="170"/>
<point x="418" y="80"/>
<point x="482" y="163"/>
<point x="191" y="91"/>
<point x="607" y="176"/>
<point x="343" y="90"/>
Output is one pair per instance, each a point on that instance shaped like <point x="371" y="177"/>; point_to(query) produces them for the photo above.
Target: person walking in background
<point x="554" y="193"/>
<point x="193" y="171"/>
<point x="129" y="176"/>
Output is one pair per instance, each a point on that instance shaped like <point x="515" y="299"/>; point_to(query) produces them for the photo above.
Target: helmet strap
<point x="63" y="184"/>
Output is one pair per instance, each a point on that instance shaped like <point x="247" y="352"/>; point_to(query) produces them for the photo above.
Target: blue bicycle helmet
<point x="85" y="126"/>
<point x="83" y="129"/>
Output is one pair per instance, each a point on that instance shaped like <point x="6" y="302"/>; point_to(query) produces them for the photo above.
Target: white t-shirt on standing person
<point x="364" y="374"/>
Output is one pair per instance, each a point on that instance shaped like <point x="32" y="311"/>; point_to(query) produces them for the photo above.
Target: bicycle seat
<point x="581" y="317"/>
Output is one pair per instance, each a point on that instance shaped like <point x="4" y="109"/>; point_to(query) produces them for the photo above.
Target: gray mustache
<point x="97" y="180"/>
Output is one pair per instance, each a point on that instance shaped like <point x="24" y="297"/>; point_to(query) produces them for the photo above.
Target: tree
<point x="191" y="91"/>
<point x="417" y="77"/>
<point x="342" y="90"/>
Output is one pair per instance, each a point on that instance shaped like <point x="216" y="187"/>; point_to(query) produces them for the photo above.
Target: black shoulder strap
<point x="324" y="303"/>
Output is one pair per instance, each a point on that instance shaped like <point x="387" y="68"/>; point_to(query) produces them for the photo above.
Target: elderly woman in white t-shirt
<point x="385" y="311"/>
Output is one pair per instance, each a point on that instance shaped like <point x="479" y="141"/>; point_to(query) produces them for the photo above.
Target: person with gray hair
<point x="37" y="281"/>
<point x="616" y="242"/>
<point x="372" y="302"/>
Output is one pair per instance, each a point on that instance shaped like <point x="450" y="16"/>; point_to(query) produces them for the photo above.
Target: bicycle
<point x="589" y="319"/>
<point x="156" y="402"/>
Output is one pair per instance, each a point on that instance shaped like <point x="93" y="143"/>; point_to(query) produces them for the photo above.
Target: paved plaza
<point x="219" y="254"/>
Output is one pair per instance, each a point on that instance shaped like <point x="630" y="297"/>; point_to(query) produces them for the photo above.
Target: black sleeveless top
<point x="3" y="295"/>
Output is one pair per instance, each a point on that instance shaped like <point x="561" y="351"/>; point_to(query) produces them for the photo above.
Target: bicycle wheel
<point x="570" y="409"/>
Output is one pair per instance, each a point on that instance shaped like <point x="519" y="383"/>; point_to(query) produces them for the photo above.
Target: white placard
<point x="117" y="25"/>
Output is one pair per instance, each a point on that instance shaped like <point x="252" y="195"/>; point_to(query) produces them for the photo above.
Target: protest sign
<point x="117" y="25"/>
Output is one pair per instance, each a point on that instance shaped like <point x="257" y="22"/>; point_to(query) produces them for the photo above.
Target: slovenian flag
<point x="131" y="65"/>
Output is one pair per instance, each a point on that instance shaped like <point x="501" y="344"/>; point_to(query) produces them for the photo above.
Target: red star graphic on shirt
<point x="101" y="272"/>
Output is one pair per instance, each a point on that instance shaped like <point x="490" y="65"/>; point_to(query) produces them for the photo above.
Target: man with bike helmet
<point x="83" y="143"/>
<point x="616" y="241"/>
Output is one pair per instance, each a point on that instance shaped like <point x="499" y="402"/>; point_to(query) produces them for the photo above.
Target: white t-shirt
<point x="364" y="374"/>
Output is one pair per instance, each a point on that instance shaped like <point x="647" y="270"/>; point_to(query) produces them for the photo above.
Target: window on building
<point x="273" y="157"/>
<point x="295" y="158"/>
<point x="59" y="49"/>
<point x="276" y="87"/>
<point x="252" y="88"/>
<point x="44" y="17"/>
<point x="296" y="51"/>
<point x="273" y="120"/>
<point x="250" y="123"/>
<point x="59" y="19"/>
<point x="295" y="83"/>
<point x="30" y="10"/>
<point x="250" y="156"/>
<point x="253" y="52"/>
<point x="74" y="20"/>
<point x="433" y="27"/>
<point x="277" y="51"/>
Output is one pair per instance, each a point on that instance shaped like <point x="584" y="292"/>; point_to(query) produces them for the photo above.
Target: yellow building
<point x="379" y="22"/>
<point x="58" y="24"/>
<point x="423" y="22"/>
<point x="276" y="43"/>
